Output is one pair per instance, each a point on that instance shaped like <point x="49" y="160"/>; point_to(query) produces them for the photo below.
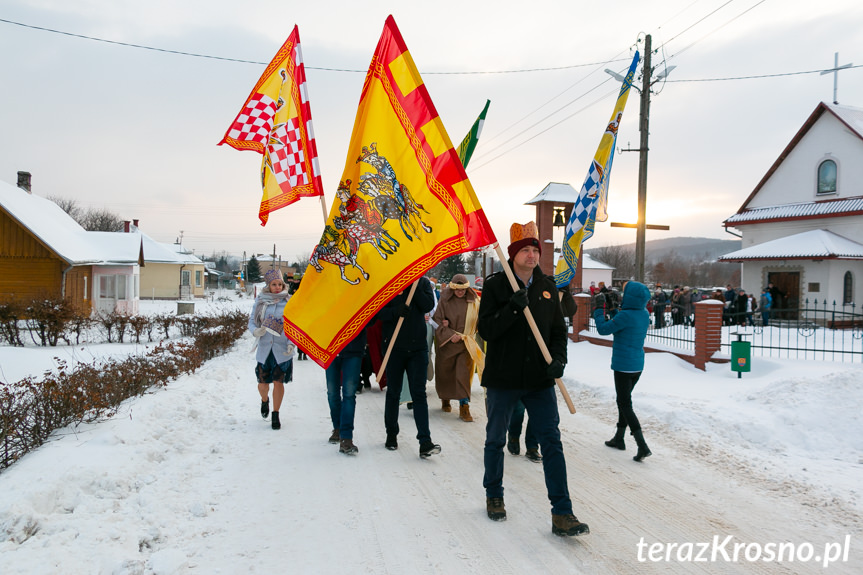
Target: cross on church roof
<point x="835" y="71"/>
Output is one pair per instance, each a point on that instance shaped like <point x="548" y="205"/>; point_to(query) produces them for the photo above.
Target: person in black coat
<point x="739" y="308"/>
<point x="516" y="370"/>
<point x="410" y="355"/>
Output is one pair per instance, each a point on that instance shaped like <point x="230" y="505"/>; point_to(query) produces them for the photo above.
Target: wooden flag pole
<point x="395" y="333"/>
<point x="533" y="327"/>
<point x="324" y="208"/>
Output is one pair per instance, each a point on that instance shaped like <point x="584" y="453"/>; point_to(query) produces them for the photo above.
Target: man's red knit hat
<point x="521" y="236"/>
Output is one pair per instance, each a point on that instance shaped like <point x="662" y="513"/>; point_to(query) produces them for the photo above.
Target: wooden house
<point x="45" y="253"/>
<point x="170" y="271"/>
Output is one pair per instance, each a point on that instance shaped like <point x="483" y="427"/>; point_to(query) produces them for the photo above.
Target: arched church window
<point x="827" y="177"/>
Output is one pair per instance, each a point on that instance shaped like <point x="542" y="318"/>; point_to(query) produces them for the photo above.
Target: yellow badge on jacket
<point x="546" y="295"/>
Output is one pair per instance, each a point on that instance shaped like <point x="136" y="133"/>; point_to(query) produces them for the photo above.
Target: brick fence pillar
<point x="708" y="330"/>
<point x="581" y="319"/>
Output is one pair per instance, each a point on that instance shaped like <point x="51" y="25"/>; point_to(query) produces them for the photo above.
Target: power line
<point x="697" y="22"/>
<point x="685" y="48"/>
<point x="759" y="76"/>
<point x="127" y="44"/>
<point x="604" y="96"/>
<point x="543" y="105"/>
<point x="195" y="55"/>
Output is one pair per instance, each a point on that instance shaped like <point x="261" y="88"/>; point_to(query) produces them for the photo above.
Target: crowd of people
<point x="504" y="334"/>
<point x="675" y="307"/>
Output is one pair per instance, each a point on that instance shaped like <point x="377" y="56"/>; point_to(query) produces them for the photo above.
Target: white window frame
<point x="821" y="164"/>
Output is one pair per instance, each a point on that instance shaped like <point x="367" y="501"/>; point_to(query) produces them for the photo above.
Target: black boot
<point x="275" y="423"/>
<point x="617" y="440"/>
<point x="643" y="450"/>
<point x="514" y="444"/>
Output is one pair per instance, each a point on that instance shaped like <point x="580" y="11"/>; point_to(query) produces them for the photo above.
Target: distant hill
<point x="689" y="249"/>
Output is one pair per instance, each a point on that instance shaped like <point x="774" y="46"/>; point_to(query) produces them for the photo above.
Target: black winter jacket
<point x="412" y="335"/>
<point x="513" y="358"/>
<point x="357" y="346"/>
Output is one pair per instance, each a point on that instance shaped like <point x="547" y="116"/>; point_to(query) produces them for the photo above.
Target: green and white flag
<point x="467" y="146"/>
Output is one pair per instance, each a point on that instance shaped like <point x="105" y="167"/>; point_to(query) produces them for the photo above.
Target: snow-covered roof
<point x="555" y="192"/>
<point x="116" y="247"/>
<point x="803" y="210"/>
<point x="184" y="254"/>
<point x="814" y="244"/>
<point x="162" y="253"/>
<point x="848" y="115"/>
<point x="589" y="263"/>
<point x="62" y="234"/>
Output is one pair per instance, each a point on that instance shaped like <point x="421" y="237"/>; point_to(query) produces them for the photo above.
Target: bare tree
<point x="101" y="220"/>
<point x="620" y="257"/>
<point x="302" y="260"/>
<point x="91" y="219"/>
<point x="68" y="205"/>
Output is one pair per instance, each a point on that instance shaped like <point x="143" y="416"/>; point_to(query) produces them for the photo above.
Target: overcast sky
<point x="135" y="130"/>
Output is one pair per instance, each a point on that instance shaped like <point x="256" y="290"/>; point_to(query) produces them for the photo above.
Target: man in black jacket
<point x="516" y="370"/>
<point x="410" y="355"/>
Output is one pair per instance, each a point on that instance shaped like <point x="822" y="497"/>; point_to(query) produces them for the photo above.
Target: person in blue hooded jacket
<point x="629" y="326"/>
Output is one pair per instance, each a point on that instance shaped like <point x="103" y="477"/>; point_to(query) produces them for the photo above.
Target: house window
<point x="814" y="287"/>
<point x="847" y="288"/>
<point x="85" y="288"/>
<point x="185" y="277"/>
<point x="121" y="287"/>
<point x="827" y="177"/>
<point x="198" y="275"/>
<point x="106" y="287"/>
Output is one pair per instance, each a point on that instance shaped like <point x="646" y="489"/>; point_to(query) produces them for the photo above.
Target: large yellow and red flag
<point x="404" y="203"/>
<point x="276" y="121"/>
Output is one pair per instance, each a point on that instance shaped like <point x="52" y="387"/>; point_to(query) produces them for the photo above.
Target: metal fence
<point x="818" y="330"/>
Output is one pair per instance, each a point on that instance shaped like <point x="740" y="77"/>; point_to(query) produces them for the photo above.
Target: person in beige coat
<point x="457" y="353"/>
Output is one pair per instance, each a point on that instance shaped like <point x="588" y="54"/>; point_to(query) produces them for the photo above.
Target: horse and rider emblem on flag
<point x="362" y="221"/>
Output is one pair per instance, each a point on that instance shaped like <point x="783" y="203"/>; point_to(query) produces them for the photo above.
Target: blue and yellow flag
<point x="593" y="197"/>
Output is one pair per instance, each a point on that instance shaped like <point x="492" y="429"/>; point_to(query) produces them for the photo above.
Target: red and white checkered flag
<point x="276" y="121"/>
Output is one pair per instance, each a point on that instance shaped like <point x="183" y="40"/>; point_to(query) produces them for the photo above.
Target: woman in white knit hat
<point x="275" y="352"/>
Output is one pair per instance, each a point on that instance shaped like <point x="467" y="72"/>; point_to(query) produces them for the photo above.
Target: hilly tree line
<point x="669" y="268"/>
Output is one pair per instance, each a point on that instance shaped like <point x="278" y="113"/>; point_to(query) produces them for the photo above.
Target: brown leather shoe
<point x="464" y="413"/>
<point x="347" y="447"/>
<point x="568" y="525"/>
<point x="445" y="405"/>
<point x="495" y="509"/>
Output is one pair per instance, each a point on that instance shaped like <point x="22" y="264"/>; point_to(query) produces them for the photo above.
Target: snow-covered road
<point x="190" y="479"/>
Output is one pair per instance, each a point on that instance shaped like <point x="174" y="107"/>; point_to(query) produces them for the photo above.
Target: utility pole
<point x="644" y="126"/>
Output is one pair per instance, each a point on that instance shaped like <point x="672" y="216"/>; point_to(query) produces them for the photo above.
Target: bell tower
<point x="553" y="208"/>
